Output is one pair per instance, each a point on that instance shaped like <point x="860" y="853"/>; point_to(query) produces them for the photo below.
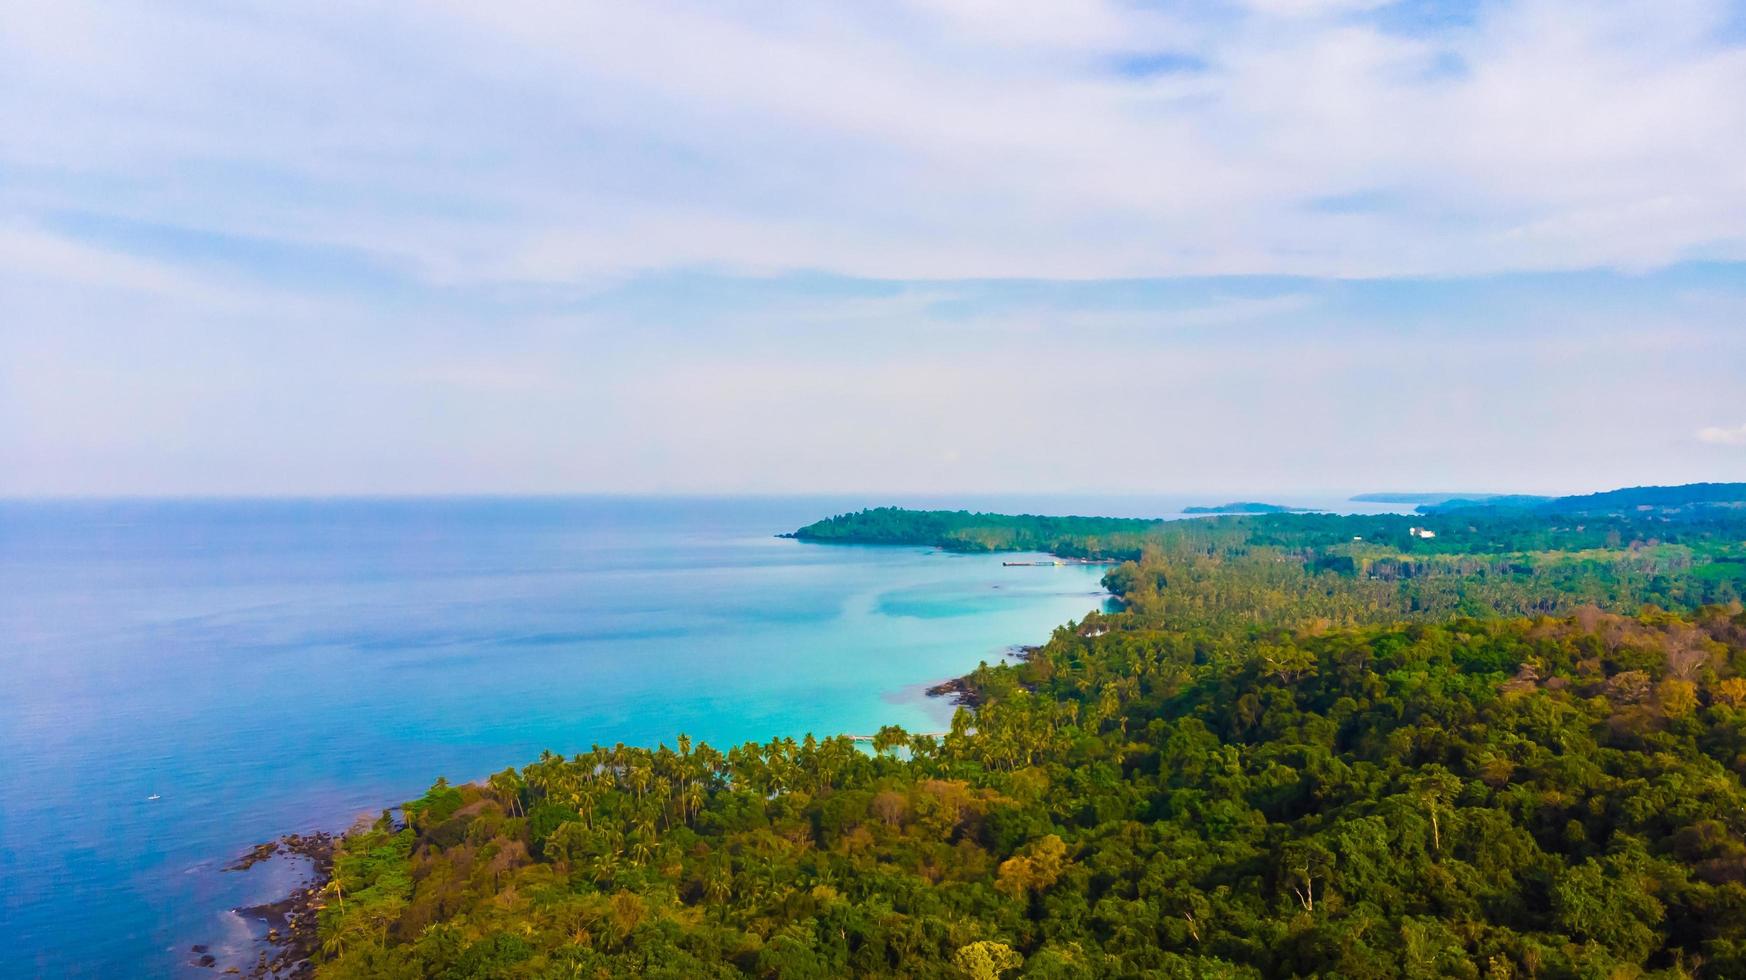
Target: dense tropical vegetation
<point x="1307" y="745"/>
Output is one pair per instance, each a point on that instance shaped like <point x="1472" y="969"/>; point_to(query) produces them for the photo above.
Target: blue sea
<point x="180" y="680"/>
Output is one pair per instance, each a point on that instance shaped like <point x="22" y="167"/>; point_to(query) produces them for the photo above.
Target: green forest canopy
<point x="1307" y="745"/>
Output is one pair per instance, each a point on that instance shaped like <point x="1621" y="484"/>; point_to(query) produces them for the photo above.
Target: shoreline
<point x="962" y="694"/>
<point x="283" y="933"/>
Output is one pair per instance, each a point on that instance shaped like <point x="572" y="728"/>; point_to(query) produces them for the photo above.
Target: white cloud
<point x="1721" y="435"/>
<point x="259" y="247"/>
<point x="549" y="141"/>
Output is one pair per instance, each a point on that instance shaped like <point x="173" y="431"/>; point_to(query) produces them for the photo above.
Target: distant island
<point x="963" y="530"/>
<point x="1420" y="498"/>
<point x="1690" y="496"/>
<point x="1663" y="498"/>
<point x="1248" y="507"/>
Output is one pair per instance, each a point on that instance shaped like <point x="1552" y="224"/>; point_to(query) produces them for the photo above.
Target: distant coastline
<point x="1420" y="498"/>
<point x="1248" y="507"/>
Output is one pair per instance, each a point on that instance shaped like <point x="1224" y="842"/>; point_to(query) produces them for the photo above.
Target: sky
<point x="556" y="246"/>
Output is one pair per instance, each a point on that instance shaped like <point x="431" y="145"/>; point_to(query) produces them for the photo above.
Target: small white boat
<point x="154" y="796"/>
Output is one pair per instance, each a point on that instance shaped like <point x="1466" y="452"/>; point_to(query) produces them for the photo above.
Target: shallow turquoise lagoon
<point x="273" y="667"/>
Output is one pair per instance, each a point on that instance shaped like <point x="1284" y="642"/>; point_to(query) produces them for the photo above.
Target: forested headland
<point x="1245" y="507"/>
<point x="1306" y="745"/>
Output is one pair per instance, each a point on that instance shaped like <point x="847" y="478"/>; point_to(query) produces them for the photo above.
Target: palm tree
<point x="718" y="885"/>
<point x="642" y="850"/>
<point x="333" y="945"/>
<point x="691" y="800"/>
<point x="508" y="787"/>
<point x="605" y="867"/>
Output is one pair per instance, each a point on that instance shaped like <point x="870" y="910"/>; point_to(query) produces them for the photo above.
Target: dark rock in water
<point x="960" y="692"/>
<point x="208" y="961"/>
<point x="259" y="853"/>
<point x="199" y="948"/>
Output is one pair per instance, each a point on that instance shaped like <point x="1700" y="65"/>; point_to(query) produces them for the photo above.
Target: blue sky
<point x="558" y="246"/>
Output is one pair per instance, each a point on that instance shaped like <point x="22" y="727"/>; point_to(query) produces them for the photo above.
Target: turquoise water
<point x="274" y="667"/>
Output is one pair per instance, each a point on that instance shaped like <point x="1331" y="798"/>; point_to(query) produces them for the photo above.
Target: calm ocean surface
<point x="271" y="667"/>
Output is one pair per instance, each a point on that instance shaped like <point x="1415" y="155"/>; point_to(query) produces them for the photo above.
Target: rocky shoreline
<point x="291" y="935"/>
<point x="290" y="922"/>
<point x="962" y="692"/>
